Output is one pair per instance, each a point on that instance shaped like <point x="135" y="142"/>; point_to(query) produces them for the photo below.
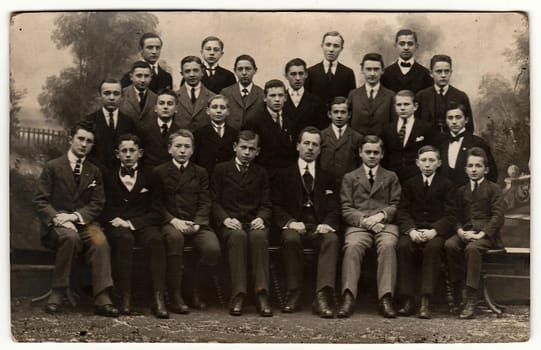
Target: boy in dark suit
<point x="151" y="45"/>
<point x="181" y="196"/>
<point x="241" y="209"/>
<point x="214" y="142"/>
<point x="69" y="200"/>
<point x="110" y="123"/>
<point x="433" y="100"/>
<point x="479" y="216"/>
<point x="454" y="147"/>
<point x="138" y="100"/>
<point x="330" y="78"/>
<point x="155" y="132"/>
<point x="406" y="73"/>
<point x="339" y="143"/>
<point x="129" y="219"/>
<point x="193" y="95"/>
<point x="426" y="219"/>
<point x="306" y="208"/>
<point x="370" y="196"/>
<point x="404" y="137"/>
<point x="215" y="77"/>
<point x="304" y="108"/>
<point x="245" y="98"/>
<point x="371" y="104"/>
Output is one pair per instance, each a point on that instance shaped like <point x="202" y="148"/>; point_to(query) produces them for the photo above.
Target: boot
<point x="125" y="304"/>
<point x="262" y="304"/>
<point x="469" y="308"/>
<point x="174" y="277"/>
<point x="293" y="301"/>
<point x="423" y="310"/>
<point x="407" y="308"/>
<point x="348" y="305"/>
<point x="158" y="307"/>
<point x="176" y="303"/>
<point x="320" y="306"/>
<point x="386" y="306"/>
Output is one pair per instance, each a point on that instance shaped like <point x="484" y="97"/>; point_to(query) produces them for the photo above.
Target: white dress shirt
<point x="405" y="70"/>
<point x="296" y="95"/>
<point x="409" y="125"/>
<point x="326" y="66"/>
<point x="454" y="149"/>
<point x="106" y="115"/>
<point x="336" y="132"/>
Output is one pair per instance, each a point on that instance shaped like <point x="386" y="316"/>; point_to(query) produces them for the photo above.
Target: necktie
<point x="244" y="93"/>
<point x="455" y="138"/>
<point x="405" y="64"/>
<point x="308" y="179"/>
<point x="277" y="120"/>
<point x="111" y="122"/>
<point x="77" y="170"/>
<point x="154" y="69"/>
<point x="243" y="168"/>
<point x="141" y="99"/>
<point x="426" y="185"/>
<point x="475" y="185"/>
<point x="402" y="132"/>
<point x="329" y="71"/>
<point x="164" y="128"/>
<point x="181" y="168"/>
<point x="441" y="92"/>
<point x="371" y="95"/>
<point x="210" y="72"/>
<point x="124" y="171"/>
<point x="370" y="177"/>
<point x="339" y="133"/>
<point x="219" y="129"/>
<point x="193" y="96"/>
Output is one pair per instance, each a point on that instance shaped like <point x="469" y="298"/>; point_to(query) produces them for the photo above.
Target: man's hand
<point x="297" y="226"/>
<point x="257" y="224"/>
<point x="62" y="218"/>
<point x="324" y="228"/>
<point x="429" y="234"/>
<point x="232" y="224"/>
<point x="184" y="226"/>
<point x="70" y="225"/>
<point x="470" y="236"/>
<point x="370" y="221"/>
<point x="416" y="236"/>
<point x="118" y="222"/>
<point x="377" y="228"/>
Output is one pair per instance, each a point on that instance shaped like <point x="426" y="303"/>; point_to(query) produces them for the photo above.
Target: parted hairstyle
<point x="148" y="36"/>
<point x="247" y="135"/>
<point x="215" y="97"/>
<point x="372" y="56"/>
<point x="295" y="62"/>
<point x="406" y="32"/>
<point x="404" y="93"/>
<point x="212" y="38"/>
<point x="428" y="148"/>
<point x="109" y="80"/>
<point x="166" y="91"/>
<point x="273" y="83"/>
<point x="180" y="132"/>
<point x="478" y="152"/>
<point x="189" y="59"/>
<point x="371" y="139"/>
<point x="128" y="137"/>
<point x="245" y="57"/>
<point x="333" y="33"/>
<point x="440" y="58"/>
<point x="337" y="101"/>
<point x="455" y="105"/>
<point x="85" y="125"/>
<point x="309" y="130"/>
<point x="141" y="64"/>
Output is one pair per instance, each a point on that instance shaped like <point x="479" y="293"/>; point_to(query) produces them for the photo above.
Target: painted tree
<point x="15" y="96"/>
<point x="103" y="44"/>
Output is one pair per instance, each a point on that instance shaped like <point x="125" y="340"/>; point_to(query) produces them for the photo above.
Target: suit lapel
<point x="132" y="99"/>
<point x="250" y="99"/>
<point x="185" y="100"/>
<point x="85" y="179"/>
<point x="345" y="137"/>
<point x="328" y="134"/>
<point x="201" y="101"/>
<point x="363" y="179"/>
<point x="67" y="173"/>
<point x="379" y="181"/>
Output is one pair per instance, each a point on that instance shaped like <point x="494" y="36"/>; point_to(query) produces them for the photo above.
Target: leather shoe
<point x="320" y="306"/>
<point x="263" y="305"/>
<point x="125" y="304"/>
<point x="469" y="309"/>
<point x="348" y="305"/>
<point x="176" y="303"/>
<point x="235" y="307"/>
<point x="386" y="306"/>
<point x="197" y="302"/>
<point x="107" y="310"/>
<point x="423" y="310"/>
<point x="407" y="308"/>
<point x="158" y="307"/>
<point x="292" y="303"/>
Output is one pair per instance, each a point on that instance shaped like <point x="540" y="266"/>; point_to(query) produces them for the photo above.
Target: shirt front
<point x="218" y="128"/>
<point x="295" y="95"/>
<point x="472" y="183"/>
<point x="337" y="132"/>
<point x="106" y="116"/>
<point x="161" y="122"/>
<point x="72" y="158"/>
<point x="311" y="167"/>
<point x="153" y="66"/>
<point x="276" y="116"/>
<point x="405" y="70"/>
<point x="178" y="165"/>
<point x="137" y="92"/>
<point x="454" y="149"/>
<point x="429" y="179"/>
<point x="239" y="164"/>
<point x="374" y="88"/>
<point x="374" y="171"/>
<point x="129" y="181"/>
<point x="326" y="66"/>
<point x="197" y="90"/>
<point x="409" y="125"/>
<point x="242" y="87"/>
<point x="438" y="88"/>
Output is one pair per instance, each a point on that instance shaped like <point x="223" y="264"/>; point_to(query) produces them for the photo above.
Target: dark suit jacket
<point x="103" y="151"/>
<point x="239" y="111"/>
<point x="370" y="118"/>
<point x="221" y="79"/>
<point x="458" y="174"/>
<point x="401" y="159"/>
<point x="184" y="196"/>
<point x="277" y="145"/>
<point x="58" y="192"/>
<point x="288" y="197"/>
<point x="339" y="156"/>
<point x="318" y="83"/>
<point x="154" y="144"/>
<point x="211" y="149"/>
<point x="310" y="112"/>
<point x="431" y="210"/>
<point x="415" y="80"/>
<point x="241" y="196"/>
<point x="481" y="210"/>
<point x="192" y="116"/>
<point x="134" y="205"/>
<point x="160" y="81"/>
<point x="130" y="106"/>
<point x="426" y="110"/>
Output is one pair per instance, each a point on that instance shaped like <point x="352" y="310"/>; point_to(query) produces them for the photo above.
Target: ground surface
<point x="30" y="324"/>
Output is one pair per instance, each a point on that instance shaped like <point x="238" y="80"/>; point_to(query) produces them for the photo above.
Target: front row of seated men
<point x="174" y="204"/>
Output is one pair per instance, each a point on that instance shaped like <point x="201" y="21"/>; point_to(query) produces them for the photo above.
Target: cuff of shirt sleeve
<point x="131" y="225"/>
<point x="80" y="221"/>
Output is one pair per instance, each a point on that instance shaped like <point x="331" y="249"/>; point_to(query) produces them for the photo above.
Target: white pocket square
<point x="329" y="192"/>
<point x="92" y="184"/>
<point x="419" y="139"/>
<point x="143" y="190"/>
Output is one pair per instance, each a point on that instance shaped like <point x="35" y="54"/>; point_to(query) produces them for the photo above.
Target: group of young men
<point x="222" y="165"/>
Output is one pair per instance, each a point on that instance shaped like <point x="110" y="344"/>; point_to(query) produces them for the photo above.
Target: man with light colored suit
<point x="370" y="196"/>
<point x="139" y="101"/>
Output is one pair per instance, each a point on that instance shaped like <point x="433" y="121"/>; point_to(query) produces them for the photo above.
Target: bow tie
<point x="405" y="64"/>
<point x="455" y="138"/>
<point x="127" y="171"/>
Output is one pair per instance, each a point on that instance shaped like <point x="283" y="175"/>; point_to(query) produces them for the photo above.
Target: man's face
<point x="81" y="143"/>
<point x="296" y="75"/>
<point x="218" y="111"/>
<point x="339" y="114"/>
<point x="275" y="98"/>
<point x="245" y="72"/>
<point x="110" y="95"/>
<point x="181" y="149"/>
<point x="404" y="106"/>
<point x="455" y="120"/>
<point x="141" y="78"/>
<point x="476" y="168"/>
<point x="211" y="52"/>
<point x="128" y="153"/>
<point x="192" y="73"/>
<point x="309" y="146"/>
<point x="332" y="46"/>
<point x="165" y="106"/>
<point x="406" y="46"/>
<point x="372" y="71"/>
<point x="246" y="150"/>
<point x="441" y="73"/>
<point x="151" y="50"/>
<point x="371" y="154"/>
<point x="428" y="162"/>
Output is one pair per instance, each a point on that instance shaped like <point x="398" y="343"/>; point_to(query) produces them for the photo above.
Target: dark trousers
<point x="292" y="250"/>
<point x="465" y="259"/>
<point x="245" y="246"/>
<point x="90" y="241"/>
<point x="408" y="254"/>
<point x="122" y="241"/>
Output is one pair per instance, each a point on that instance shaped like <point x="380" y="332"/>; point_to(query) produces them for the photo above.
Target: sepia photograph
<point x="292" y="177"/>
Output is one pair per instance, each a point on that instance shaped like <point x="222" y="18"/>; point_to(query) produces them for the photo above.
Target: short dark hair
<point x="478" y="152"/>
<point x="245" y="57"/>
<point x="455" y="105"/>
<point x="333" y="33"/>
<point x="85" y="125"/>
<point x="109" y="80"/>
<point x="148" y="36"/>
<point x="405" y="32"/>
<point x="371" y="139"/>
<point x="440" y="58"/>
<point x="215" y="97"/>
<point x="189" y="59"/>
<point x="180" y="132"/>
<point x="247" y="135"/>
<point x="295" y="62"/>
<point x="338" y="100"/>
<point x="273" y="83"/>
<point x="428" y="148"/>
<point x="372" y="56"/>
<point x="141" y="64"/>
<point x="309" y="130"/>
<point x="404" y="93"/>
<point x="212" y="38"/>
<point x="129" y="137"/>
<point x="166" y="91"/>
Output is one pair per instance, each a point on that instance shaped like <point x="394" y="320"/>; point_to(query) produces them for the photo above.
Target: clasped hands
<point x="468" y="236"/>
<point x="301" y="228"/>
<point x="374" y="222"/>
<point x="422" y="235"/>
<point x="235" y="224"/>
<point x="66" y="220"/>
<point x="185" y="226"/>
